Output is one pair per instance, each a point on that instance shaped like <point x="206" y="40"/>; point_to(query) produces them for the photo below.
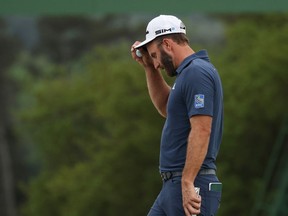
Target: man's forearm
<point x="158" y="90"/>
<point x="197" y="147"/>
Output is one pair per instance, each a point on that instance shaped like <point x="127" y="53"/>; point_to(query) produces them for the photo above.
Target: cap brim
<point x="143" y="43"/>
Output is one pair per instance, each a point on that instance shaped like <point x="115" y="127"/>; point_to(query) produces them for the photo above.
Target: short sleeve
<point x="198" y="91"/>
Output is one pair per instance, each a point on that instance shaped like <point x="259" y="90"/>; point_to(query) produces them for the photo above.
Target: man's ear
<point x="167" y="44"/>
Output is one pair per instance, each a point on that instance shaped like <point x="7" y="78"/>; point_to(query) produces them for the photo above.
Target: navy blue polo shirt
<point x="197" y="90"/>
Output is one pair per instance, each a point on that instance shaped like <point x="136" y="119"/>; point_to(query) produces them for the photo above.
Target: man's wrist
<point x="187" y="180"/>
<point x="150" y="69"/>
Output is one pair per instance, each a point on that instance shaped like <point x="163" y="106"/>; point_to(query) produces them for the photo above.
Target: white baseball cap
<point x="162" y="25"/>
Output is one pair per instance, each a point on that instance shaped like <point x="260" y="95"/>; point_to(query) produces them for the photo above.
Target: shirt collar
<point x="202" y="54"/>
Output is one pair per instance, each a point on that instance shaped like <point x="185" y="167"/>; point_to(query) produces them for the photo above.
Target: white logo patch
<point x="199" y="101"/>
<point x="174" y="86"/>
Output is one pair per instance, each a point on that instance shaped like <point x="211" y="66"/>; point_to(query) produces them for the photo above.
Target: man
<point x="193" y="109"/>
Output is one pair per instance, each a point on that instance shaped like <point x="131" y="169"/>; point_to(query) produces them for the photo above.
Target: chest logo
<point x="174" y="86"/>
<point x="199" y="101"/>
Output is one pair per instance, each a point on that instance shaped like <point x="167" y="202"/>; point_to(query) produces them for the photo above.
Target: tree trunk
<point x="7" y="197"/>
<point x="7" y="187"/>
<point x="8" y="52"/>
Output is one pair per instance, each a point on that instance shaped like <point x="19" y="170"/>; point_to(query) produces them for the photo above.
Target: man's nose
<point x="156" y="64"/>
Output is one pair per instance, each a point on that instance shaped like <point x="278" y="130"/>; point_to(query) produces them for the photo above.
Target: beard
<point x="167" y="63"/>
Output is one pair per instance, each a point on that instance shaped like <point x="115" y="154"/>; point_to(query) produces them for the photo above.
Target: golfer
<point x="193" y="108"/>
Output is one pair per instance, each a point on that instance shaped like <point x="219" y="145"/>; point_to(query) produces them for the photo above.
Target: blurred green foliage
<point x="253" y="67"/>
<point x="97" y="135"/>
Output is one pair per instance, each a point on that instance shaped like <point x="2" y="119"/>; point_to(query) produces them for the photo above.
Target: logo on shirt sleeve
<point x="199" y="101"/>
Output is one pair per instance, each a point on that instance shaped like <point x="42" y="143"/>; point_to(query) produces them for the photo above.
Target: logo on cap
<point x="160" y="31"/>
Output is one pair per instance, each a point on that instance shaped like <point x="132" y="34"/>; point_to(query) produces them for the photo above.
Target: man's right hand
<point x="145" y="60"/>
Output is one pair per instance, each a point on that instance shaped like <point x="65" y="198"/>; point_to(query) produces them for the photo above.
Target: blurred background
<point x="78" y="132"/>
